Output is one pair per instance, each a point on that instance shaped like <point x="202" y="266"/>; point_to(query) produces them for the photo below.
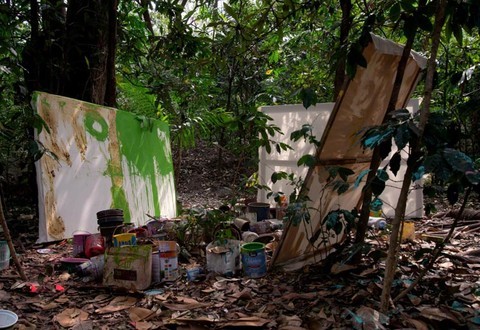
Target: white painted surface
<point x="291" y="118"/>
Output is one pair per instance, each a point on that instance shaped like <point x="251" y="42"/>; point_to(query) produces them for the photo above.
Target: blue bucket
<point x="253" y="259"/>
<point x="261" y="209"/>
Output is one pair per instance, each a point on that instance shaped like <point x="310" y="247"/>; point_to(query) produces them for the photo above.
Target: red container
<point x="94" y="245"/>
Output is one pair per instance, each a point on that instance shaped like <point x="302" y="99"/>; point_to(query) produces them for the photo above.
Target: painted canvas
<point x="104" y="158"/>
<point x="361" y="103"/>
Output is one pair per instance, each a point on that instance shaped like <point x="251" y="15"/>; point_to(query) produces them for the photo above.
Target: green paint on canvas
<point x="119" y="201"/>
<point x="96" y="125"/>
<point x="145" y="150"/>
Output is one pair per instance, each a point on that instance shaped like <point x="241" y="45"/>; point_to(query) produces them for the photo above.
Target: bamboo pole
<point x="8" y="238"/>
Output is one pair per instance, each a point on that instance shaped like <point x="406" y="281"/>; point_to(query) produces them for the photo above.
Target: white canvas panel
<point x="105" y="159"/>
<point x="291" y="118"/>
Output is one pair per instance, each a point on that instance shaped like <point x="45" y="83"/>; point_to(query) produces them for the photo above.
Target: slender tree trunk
<point x="111" y="88"/>
<point x="146" y="16"/>
<point x="376" y="158"/>
<point x="8" y="238"/>
<point x="345" y="27"/>
<point x="392" y="257"/>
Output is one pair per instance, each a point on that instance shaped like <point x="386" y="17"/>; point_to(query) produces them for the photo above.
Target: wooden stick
<point x="8" y="238"/>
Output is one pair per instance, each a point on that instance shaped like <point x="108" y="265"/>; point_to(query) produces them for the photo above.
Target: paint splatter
<point x="146" y="152"/>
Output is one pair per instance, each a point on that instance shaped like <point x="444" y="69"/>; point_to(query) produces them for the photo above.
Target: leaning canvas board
<point x="290" y="118"/>
<point x="103" y="158"/>
<point x="361" y="103"/>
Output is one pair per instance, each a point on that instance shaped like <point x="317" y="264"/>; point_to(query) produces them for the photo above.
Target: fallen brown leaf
<point x="117" y="304"/>
<point x="186" y="300"/>
<point x="294" y="295"/>
<point x="138" y="314"/>
<point x="246" y="322"/>
<point x="70" y="317"/>
<point x="371" y="319"/>
<point x="339" y="267"/>
<point x="184" y="307"/>
<point x="245" y="294"/>
<point x="144" y="325"/>
<point x="4" y="295"/>
<point x="46" y="307"/>
<point x="437" y="314"/>
<point x="419" y="325"/>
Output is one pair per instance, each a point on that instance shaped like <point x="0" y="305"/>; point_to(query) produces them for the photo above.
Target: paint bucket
<point x="223" y="257"/>
<point x="108" y="232"/>
<point x="254" y="259"/>
<point x="94" y="245"/>
<point x="124" y="239"/>
<point x="79" y="238"/>
<point x="4" y="255"/>
<point x="168" y="253"/>
<point x="261" y="209"/>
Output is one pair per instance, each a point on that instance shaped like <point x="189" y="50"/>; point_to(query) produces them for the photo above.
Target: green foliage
<point x="205" y="69"/>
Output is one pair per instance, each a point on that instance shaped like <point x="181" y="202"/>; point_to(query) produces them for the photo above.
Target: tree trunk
<point x="345" y="27"/>
<point x="73" y="52"/>
<point x="111" y="89"/>
<point x="392" y="257"/>
<point x="90" y="24"/>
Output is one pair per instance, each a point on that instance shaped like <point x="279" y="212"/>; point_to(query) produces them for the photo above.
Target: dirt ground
<point x="332" y="295"/>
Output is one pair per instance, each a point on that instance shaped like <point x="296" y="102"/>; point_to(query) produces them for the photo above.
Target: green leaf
<point x="385" y="148"/>
<point x="394" y="12"/>
<point x="39" y="124"/>
<point x="424" y="23"/>
<point x="360" y="177"/>
<point x="410" y="27"/>
<point x="418" y="174"/>
<point x="340" y="187"/>
<point x="35" y="150"/>
<point x="230" y="11"/>
<point x="345" y="172"/>
<point x="408" y="5"/>
<point x="458" y="160"/>
<point x="307" y="160"/>
<point x="278" y="176"/>
<point x="458" y="33"/>
<point x="395" y="163"/>
<point x="378" y="186"/>
<point x="453" y="191"/>
<point x="402" y="136"/>
<point x="382" y="175"/>
<point x="308" y="96"/>
<point x="376" y="135"/>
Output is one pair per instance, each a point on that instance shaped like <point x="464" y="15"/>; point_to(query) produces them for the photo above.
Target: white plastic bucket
<point x="4" y="255"/>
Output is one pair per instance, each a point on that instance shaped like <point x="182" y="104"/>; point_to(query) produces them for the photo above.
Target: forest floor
<point x="323" y="296"/>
